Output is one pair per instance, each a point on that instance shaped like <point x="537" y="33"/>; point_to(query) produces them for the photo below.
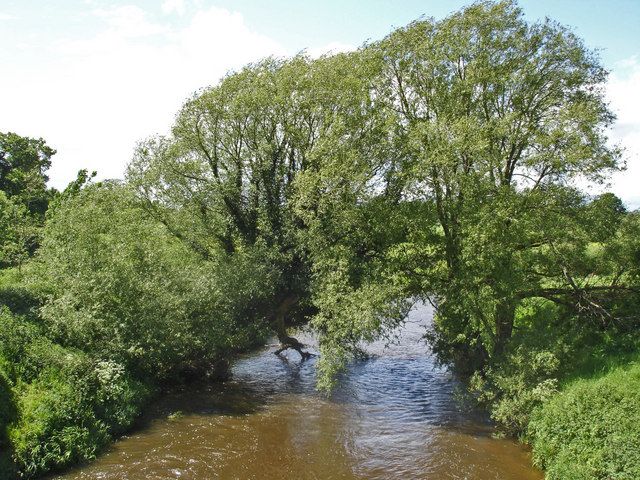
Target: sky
<point x="93" y="77"/>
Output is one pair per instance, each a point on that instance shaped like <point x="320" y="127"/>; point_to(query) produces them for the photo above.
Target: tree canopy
<point x="24" y="195"/>
<point x="23" y="165"/>
<point x="436" y="162"/>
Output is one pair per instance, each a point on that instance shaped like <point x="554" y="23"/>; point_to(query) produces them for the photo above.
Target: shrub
<point x="123" y="289"/>
<point x="591" y="430"/>
<point x="59" y="405"/>
<point x="71" y="410"/>
<point x="524" y="380"/>
<point x="15" y="295"/>
<point x="16" y="336"/>
<point x="18" y="299"/>
<point x="56" y="426"/>
<point x="116" y="396"/>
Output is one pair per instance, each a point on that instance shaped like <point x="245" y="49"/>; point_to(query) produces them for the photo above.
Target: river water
<point x="394" y="416"/>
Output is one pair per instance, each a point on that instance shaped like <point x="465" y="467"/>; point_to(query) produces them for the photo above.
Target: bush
<point x="117" y="398"/>
<point x="525" y="379"/>
<point x="56" y="427"/>
<point x="69" y="412"/>
<point x="59" y="405"/>
<point x="18" y="299"/>
<point x="125" y="301"/>
<point x="16" y="337"/>
<point x="7" y="407"/>
<point x="549" y="349"/>
<point x="124" y="290"/>
<point x="591" y="430"/>
<point x="528" y="372"/>
<point x="16" y="296"/>
<point x="7" y="416"/>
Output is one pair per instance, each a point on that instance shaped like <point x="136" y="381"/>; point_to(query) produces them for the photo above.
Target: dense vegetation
<point x="438" y="163"/>
<point x="591" y="429"/>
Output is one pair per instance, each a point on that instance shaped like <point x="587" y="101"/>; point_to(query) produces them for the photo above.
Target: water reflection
<point x="393" y="417"/>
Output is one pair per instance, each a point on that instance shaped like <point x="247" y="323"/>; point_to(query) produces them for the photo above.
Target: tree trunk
<point x="504" y="318"/>
<point x="279" y="326"/>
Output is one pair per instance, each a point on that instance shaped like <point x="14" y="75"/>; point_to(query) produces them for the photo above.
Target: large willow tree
<point x="224" y="182"/>
<point x="436" y="162"/>
<point x="495" y="118"/>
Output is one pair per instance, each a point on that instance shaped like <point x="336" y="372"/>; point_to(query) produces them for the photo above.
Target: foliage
<point x="56" y="427"/>
<point x="15" y="294"/>
<point x="524" y="381"/>
<point x="24" y="196"/>
<point x="355" y="288"/>
<point x="64" y="405"/>
<point x="551" y="352"/>
<point x="124" y="290"/>
<point x="7" y="407"/>
<point x="19" y="232"/>
<point x="7" y="415"/>
<point x="494" y="117"/>
<point x="242" y="175"/>
<point x="67" y="415"/>
<point x="437" y="162"/>
<point x="591" y="430"/>
<point x="23" y="163"/>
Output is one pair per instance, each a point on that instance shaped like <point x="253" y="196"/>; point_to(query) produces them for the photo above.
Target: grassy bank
<point x="591" y="428"/>
<point x="58" y="405"/>
<point x="570" y="389"/>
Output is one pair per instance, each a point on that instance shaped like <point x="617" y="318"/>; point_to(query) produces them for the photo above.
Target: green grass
<point x="591" y="429"/>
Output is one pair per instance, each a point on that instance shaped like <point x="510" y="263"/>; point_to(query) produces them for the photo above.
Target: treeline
<point x="438" y="163"/>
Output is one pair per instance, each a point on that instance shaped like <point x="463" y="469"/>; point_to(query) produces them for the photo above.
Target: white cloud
<point x="128" y="21"/>
<point x="92" y="99"/>
<point x="170" y="6"/>
<point x="623" y="93"/>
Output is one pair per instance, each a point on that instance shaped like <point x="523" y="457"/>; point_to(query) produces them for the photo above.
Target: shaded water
<point x="393" y="417"/>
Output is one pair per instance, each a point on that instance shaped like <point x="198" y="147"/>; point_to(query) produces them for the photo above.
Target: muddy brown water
<point x="394" y="416"/>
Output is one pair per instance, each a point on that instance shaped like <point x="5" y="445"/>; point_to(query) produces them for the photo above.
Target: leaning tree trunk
<point x="279" y="326"/>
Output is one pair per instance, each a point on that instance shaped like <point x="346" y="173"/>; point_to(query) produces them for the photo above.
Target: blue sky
<point x="94" y="76"/>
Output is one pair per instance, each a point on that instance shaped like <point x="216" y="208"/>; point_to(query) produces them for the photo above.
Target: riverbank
<point x="570" y="392"/>
<point x="394" y="415"/>
<point x="386" y="413"/>
<point x="591" y="428"/>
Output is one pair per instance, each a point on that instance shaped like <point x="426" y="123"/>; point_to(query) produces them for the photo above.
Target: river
<point x="394" y="416"/>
